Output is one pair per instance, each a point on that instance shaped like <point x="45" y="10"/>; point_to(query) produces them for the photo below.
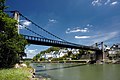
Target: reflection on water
<point x="57" y="68"/>
<point x="78" y="72"/>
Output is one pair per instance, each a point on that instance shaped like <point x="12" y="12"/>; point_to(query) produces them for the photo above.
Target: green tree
<point x="69" y="53"/>
<point x="52" y="49"/>
<point x="36" y="57"/>
<point x="2" y="6"/>
<point x="12" y="45"/>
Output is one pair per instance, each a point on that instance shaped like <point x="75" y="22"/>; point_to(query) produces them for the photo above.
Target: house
<point x="55" y="54"/>
<point x="62" y="52"/>
<point x="49" y="55"/>
<point x="75" y="51"/>
<point x="114" y="52"/>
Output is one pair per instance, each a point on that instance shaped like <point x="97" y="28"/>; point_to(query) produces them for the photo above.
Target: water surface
<point x="79" y="72"/>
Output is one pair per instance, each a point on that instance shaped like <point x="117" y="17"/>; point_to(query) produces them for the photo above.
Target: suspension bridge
<point x="42" y="40"/>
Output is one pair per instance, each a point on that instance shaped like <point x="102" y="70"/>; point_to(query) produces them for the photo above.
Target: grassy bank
<point x="15" y="74"/>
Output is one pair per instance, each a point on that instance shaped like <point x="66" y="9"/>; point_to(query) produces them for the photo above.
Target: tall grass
<point x="14" y="74"/>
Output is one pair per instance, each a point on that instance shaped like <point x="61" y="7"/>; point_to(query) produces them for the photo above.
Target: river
<point x="78" y="72"/>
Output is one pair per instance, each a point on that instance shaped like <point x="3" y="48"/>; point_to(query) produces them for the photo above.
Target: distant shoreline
<point x="63" y="61"/>
<point x="79" y="62"/>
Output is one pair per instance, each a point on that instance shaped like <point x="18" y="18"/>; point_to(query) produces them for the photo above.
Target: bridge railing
<point x="49" y="40"/>
<point x="46" y="40"/>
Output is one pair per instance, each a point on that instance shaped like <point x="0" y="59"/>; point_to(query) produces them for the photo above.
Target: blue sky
<point x="79" y="21"/>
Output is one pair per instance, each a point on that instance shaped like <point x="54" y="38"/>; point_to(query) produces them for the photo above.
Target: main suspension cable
<point x="42" y="28"/>
<point x="32" y="31"/>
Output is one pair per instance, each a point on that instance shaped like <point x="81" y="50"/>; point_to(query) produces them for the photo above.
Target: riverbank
<point x="15" y="74"/>
<point x="82" y="61"/>
<point x="64" y="61"/>
<point x="18" y="74"/>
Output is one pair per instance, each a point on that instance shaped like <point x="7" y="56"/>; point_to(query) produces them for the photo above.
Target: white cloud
<point x="31" y="53"/>
<point x="107" y="2"/>
<point x="96" y="2"/>
<point x="89" y="40"/>
<point x="82" y="37"/>
<point x="105" y="37"/>
<point x="104" y="2"/>
<point x="77" y="29"/>
<point x="114" y="3"/>
<point x="52" y="20"/>
<point x="89" y="25"/>
<point x="24" y="23"/>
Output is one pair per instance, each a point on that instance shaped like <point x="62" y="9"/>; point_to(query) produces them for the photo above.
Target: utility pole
<point x="17" y="17"/>
<point x="102" y="46"/>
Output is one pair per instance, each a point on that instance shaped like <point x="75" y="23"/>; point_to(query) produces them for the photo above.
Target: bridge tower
<point x="17" y="17"/>
<point x="103" y="52"/>
<point x="100" y="55"/>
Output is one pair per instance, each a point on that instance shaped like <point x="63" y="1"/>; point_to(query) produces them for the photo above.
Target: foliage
<point x="42" y="59"/>
<point x="65" y="56"/>
<point x="12" y="44"/>
<point x="36" y="57"/>
<point x="2" y="6"/>
<point x="70" y="53"/>
<point x="52" y="49"/>
<point x="90" y="52"/>
<point x="14" y="74"/>
<point x="57" y="59"/>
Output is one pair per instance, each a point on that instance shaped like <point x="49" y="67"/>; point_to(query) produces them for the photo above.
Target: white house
<point x="60" y="53"/>
<point x="75" y="51"/>
<point x="55" y="54"/>
<point x="49" y="55"/>
<point x="114" y="52"/>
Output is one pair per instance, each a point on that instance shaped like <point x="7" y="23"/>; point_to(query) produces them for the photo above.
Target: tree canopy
<point x="52" y="49"/>
<point x="12" y="44"/>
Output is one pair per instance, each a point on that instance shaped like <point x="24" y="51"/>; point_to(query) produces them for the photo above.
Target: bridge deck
<point x="49" y="42"/>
